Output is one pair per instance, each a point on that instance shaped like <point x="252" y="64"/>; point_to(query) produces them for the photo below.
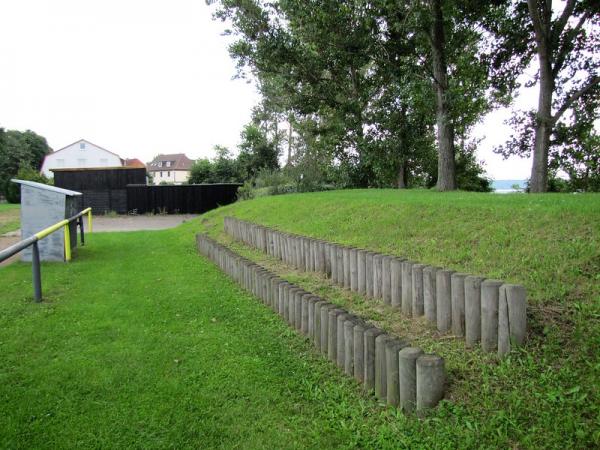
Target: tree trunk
<point x="543" y="119"/>
<point x="445" y="131"/>
<point x="401" y="179"/>
<point x="290" y="138"/>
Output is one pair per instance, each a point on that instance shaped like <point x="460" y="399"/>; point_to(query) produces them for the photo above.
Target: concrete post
<point x="320" y="257"/>
<point x="339" y="251"/>
<point x="377" y="275"/>
<point x="431" y="378"/>
<point x="443" y="298"/>
<point x="418" y="301"/>
<point x="292" y="305"/>
<point x="370" y="335"/>
<point x="407" y="368"/>
<point x="349" y="345"/>
<point x="407" y="288"/>
<point x="512" y="317"/>
<point x="332" y="334"/>
<point x="392" y="349"/>
<point x="334" y="262"/>
<point x="307" y="255"/>
<point x="369" y="273"/>
<point x="340" y="340"/>
<point x="490" y="290"/>
<point x="380" y="366"/>
<point x="304" y="316"/>
<point x="317" y="326"/>
<point x="358" y="349"/>
<point x="310" y="325"/>
<point x="361" y="270"/>
<point x="325" y="309"/>
<point x="429" y="297"/>
<point x="354" y="269"/>
<point x="457" y="294"/>
<point x="298" y="309"/>
<point x="472" y="310"/>
<point x="299" y="253"/>
<point x="327" y="256"/>
<point x="346" y="263"/>
<point x="396" y="282"/>
<point x="312" y="254"/>
<point x="386" y="279"/>
<point x="286" y="303"/>
<point x="282" y="294"/>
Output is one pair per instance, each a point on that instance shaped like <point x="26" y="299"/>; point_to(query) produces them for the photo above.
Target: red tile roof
<point x="134" y="162"/>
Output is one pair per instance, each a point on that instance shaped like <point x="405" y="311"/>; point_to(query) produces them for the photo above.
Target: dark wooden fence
<point x="181" y="199"/>
<point x="103" y="190"/>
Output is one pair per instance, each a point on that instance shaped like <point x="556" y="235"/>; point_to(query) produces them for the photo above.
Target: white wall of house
<point x="81" y="154"/>
<point x="170" y="176"/>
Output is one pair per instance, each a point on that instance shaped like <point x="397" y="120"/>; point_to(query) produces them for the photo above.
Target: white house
<point x="172" y="169"/>
<point x="80" y="154"/>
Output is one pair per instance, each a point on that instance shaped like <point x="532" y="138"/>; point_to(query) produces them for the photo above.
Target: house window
<point x="168" y="163"/>
<point x="161" y="174"/>
<point x="169" y="174"/>
<point x="82" y="146"/>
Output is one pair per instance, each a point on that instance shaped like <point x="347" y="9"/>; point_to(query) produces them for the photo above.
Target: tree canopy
<point x="387" y="93"/>
<point x="20" y="151"/>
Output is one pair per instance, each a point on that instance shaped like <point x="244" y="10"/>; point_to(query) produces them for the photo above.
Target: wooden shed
<point x="104" y="189"/>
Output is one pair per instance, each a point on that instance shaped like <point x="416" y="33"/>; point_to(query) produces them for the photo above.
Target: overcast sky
<point x="141" y="77"/>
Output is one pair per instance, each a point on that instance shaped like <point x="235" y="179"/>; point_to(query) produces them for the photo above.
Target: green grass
<point x="9" y="217"/>
<point x="544" y="396"/>
<point x="143" y="343"/>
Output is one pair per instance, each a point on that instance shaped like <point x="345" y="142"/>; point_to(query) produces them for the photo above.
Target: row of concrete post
<point x="481" y="310"/>
<point x="399" y="374"/>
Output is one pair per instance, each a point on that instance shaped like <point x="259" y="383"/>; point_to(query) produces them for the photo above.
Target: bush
<point x="13" y="190"/>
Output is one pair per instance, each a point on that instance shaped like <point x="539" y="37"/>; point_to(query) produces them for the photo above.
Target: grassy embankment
<point x="9" y="217"/>
<point x="543" y="396"/>
<point x="142" y="343"/>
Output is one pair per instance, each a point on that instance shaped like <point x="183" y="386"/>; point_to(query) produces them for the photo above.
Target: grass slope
<point x="546" y="395"/>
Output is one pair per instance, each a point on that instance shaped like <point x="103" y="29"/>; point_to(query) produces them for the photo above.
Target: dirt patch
<point x="135" y="223"/>
<point x="7" y="241"/>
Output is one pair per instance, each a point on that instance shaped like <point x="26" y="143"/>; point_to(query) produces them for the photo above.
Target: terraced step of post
<point x="456" y="303"/>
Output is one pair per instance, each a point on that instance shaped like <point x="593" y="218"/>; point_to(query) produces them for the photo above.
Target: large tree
<point x="345" y="68"/>
<point x="564" y="44"/>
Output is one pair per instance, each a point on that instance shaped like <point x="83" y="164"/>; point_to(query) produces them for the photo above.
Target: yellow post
<point x="67" y="242"/>
<point x="89" y="220"/>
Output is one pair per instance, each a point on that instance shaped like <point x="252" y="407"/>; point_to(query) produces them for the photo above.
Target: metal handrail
<point x="33" y="241"/>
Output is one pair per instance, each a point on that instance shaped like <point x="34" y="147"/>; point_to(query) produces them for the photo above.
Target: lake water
<point x="506" y="186"/>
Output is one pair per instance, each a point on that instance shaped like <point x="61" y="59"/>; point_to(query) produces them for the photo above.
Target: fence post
<point x="90" y="220"/>
<point x="37" y="277"/>
<point x="80" y="223"/>
<point x="67" y="242"/>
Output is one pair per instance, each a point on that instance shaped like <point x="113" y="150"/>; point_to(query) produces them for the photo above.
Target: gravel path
<point x="133" y="223"/>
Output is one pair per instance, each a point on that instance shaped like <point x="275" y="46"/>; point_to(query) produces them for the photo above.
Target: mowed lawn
<point x="9" y="217"/>
<point x="142" y="343"/>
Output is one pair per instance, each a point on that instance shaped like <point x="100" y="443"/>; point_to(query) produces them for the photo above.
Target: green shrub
<point x="13" y="190"/>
